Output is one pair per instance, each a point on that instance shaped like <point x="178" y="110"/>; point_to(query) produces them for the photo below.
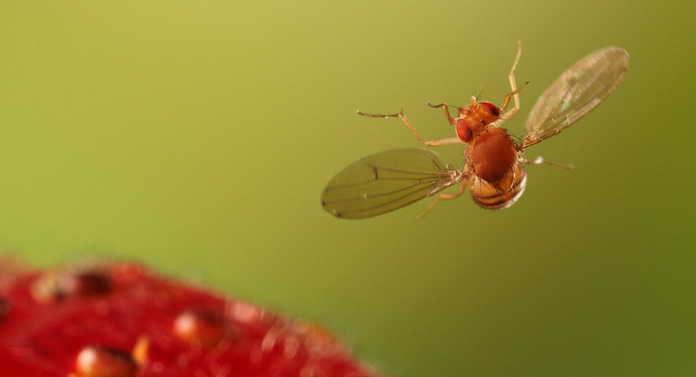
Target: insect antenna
<point x="479" y="93"/>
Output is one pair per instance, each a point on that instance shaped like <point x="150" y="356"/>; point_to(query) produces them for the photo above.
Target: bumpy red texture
<point x="121" y="320"/>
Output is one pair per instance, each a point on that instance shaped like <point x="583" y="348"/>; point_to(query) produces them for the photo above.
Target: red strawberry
<point x="120" y="320"/>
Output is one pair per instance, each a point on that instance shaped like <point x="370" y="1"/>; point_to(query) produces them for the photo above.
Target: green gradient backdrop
<point x="197" y="137"/>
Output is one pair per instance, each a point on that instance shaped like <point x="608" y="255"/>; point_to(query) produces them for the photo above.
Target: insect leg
<point x="540" y="160"/>
<point x="447" y="113"/>
<point x="431" y="143"/>
<point x="443" y="195"/>
<point x="513" y="85"/>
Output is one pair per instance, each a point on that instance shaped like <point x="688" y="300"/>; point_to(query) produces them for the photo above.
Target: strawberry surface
<point x="121" y="320"/>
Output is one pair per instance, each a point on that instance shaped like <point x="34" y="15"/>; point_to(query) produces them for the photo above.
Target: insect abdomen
<point x="499" y="194"/>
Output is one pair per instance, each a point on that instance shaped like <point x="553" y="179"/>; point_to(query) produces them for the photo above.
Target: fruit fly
<point x="493" y="168"/>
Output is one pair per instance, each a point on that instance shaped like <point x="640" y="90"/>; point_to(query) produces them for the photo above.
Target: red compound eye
<point x="464" y="131"/>
<point x="490" y="108"/>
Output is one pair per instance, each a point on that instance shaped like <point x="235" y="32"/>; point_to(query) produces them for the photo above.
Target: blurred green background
<point x="198" y="136"/>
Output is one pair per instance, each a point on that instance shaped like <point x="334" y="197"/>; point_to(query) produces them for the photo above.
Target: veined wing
<point x="576" y="92"/>
<point x="386" y="181"/>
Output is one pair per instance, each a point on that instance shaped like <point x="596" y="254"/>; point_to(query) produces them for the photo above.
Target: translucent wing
<point x="386" y="181"/>
<point x="576" y="92"/>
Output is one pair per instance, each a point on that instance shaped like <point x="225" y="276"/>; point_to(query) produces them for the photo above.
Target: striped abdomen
<point x="499" y="194"/>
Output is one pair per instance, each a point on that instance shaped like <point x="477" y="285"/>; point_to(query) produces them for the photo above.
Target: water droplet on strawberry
<point x="100" y="361"/>
<point x="68" y="284"/>
<point x="203" y="328"/>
